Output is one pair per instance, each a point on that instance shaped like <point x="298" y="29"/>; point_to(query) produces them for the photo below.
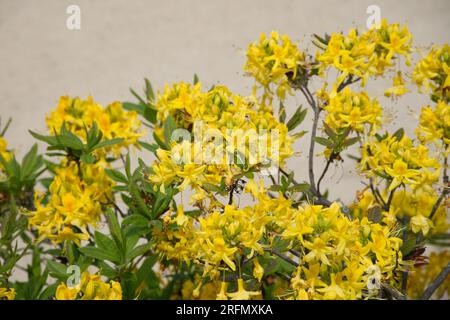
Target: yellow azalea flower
<point x="334" y="290"/>
<point x="434" y="125"/>
<point x="399" y="173"/>
<point x="74" y="201"/>
<point x="365" y="54"/>
<point x="222" y="252"/>
<point x="274" y="61"/>
<point x="4" y="150"/>
<point x="258" y="270"/>
<point x="222" y="295"/>
<point x="242" y="294"/>
<point x="181" y="218"/>
<point x="420" y="223"/>
<point x="319" y="251"/>
<point x="432" y="73"/>
<point x="356" y="111"/>
<point x="8" y="294"/>
<point x="91" y="287"/>
<point x="79" y="115"/>
<point x="66" y="293"/>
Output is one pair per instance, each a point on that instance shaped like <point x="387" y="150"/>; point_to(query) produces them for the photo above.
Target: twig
<point x="391" y="196"/>
<point x="323" y="173"/>
<point x="311" y="153"/>
<point x="288" y="260"/>
<point x="230" y="197"/>
<point x="436" y="283"/>
<point x="437" y="204"/>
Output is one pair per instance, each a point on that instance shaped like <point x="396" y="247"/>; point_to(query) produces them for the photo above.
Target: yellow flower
<point x="79" y="116"/>
<point x="66" y="293"/>
<point x="74" y="201"/>
<point x="420" y="223"/>
<point x="347" y="109"/>
<point x="9" y="294"/>
<point x="242" y="294"/>
<point x="434" y="124"/>
<point x="181" y="219"/>
<point x="258" y="270"/>
<point x="433" y="73"/>
<point x="400" y="173"/>
<point x="274" y="60"/>
<point x="91" y="287"/>
<point x="222" y="295"/>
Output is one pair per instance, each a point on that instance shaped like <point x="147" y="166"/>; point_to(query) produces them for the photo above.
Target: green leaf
<point x="138" y="97"/>
<point x="104" y="242"/>
<point x="324" y="141"/>
<point x="399" y="134"/>
<point x="116" y="175"/>
<point x="161" y="143"/>
<point x="297" y="118"/>
<point x="87" y="158"/>
<point x="149" y="114"/>
<point x="299" y="187"/>
<point x="99" y="254"/>
<point x="70" y="141"/>
<point x="212" y="187"/>
<point x="196" y="79"/>
<point x="57" y="270"/>
<point x="115" y="229"/>
<point x="149" y="90"/>
<point x="152" y="147"/>
<point x="138" y="251"/>
<point x="350" y="141"/>
<point x="131" y="106"/>
<point x="136" y="220"/>
<point x="51" y="140"/>
<point x="108" y="143"/>
<point x="169" y="128"/>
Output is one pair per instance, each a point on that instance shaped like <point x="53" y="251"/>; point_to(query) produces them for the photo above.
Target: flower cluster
<point x="91" y="287"/>
<point x="78" y="190"/>
<point x="225" y="126"/>
<point x="434" y="125"/>
<point x="347" y="109"/>
<point x="400" y="162"/>
<point x="415" y="206"/>
<point x="74" y="202"/>
<point x="215" y="239"/>
<point x="274" y="61"/>
<point x="366" y="54"/>
<point x="79" y="115"/>
<point x="432" y="73"/>
<point x="342" y="259"/>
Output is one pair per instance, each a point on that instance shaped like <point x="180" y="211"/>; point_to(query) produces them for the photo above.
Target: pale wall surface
<point x="122" y="41"/>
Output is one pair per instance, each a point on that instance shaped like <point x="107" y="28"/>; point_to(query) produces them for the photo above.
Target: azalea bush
<point x="186" y="193"/>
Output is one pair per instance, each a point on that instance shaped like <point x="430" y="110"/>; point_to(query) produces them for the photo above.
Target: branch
<point x="436" y="283"/>
<point x="438" y="202"/>
<point x="287" y="259"/>
<point x="391" y="196"/>
<point x="312" y="181"/>
<point x="323" y="173"/>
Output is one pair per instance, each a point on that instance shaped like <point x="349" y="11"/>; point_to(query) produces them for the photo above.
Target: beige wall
<point x="122" y="41"/>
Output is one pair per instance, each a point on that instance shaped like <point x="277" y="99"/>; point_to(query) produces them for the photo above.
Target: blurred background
<point x="121" y="42"/>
